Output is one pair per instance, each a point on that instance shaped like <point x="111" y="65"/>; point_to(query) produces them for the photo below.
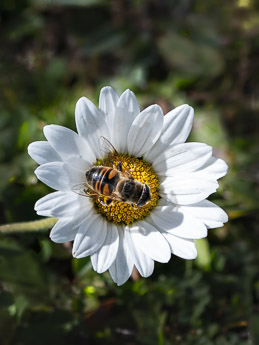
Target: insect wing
<point x="106" y="147"/>
<point x="82" y="189"/>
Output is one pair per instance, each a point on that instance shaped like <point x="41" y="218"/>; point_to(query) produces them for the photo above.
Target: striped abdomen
<point x="102" y="179"/>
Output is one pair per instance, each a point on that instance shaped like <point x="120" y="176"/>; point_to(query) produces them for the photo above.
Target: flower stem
<point x="36" y="225"/>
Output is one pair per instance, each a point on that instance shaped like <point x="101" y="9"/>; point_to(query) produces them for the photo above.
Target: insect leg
<point x="101" y="199"/>
<point x="119" y="166"/>
<point x="133" y="206"/>
<point x="134" y="167"/>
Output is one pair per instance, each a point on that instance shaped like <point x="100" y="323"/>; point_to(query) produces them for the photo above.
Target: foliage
<point x="169" y="52"/>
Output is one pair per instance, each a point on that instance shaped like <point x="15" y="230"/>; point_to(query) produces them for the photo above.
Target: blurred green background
<point x="204" y="53"/>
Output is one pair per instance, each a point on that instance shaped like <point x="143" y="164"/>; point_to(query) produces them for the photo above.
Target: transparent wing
<point x="84" y="190"/>
<point x="110" y="154"/>
<point x="106" y="147"/>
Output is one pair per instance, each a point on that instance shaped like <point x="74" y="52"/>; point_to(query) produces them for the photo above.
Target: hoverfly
<point x="110" y="185"/>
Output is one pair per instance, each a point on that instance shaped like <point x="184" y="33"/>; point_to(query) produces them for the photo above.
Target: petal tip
<point x="157" y="107"/>
<point x="225" y="217"/>
<point x="187" y="110"/>
<point x="129" y="92"/>
<point x="107" y="89"/>
<point x="225" y="167"/>
<point x="30" y="149"/>
<point x="81" y="102"/>
<point x="36" y="171"/>
<point x="47" y="130"/>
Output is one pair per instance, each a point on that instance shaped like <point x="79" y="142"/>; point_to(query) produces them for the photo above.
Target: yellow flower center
<point x="122" y="212"/>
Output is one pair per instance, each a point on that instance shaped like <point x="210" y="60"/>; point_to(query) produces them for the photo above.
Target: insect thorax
<point x="130" y="190"/>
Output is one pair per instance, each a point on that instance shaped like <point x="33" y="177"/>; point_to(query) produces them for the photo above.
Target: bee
<point x="111" y="185"/>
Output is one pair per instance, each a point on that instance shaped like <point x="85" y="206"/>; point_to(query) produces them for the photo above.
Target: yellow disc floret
<point x="122" y="212"/>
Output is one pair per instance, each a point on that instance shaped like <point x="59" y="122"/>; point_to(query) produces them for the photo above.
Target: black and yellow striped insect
<point x="110" y="185"/>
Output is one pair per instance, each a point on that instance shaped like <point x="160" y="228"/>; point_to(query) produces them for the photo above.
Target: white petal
<point x="149" y="240"/>
<point x="143" y="263"/>
<point x="67" y="205"/>
<point x="108" y="100"/>
<point x="44" y="205"/>
<point x="126" y="111"/>
<point x="91" y="124"/>
<point x="90" y="237"/>
<point x="215" y="168"/>
<point x="68" y="143"/>
<point x="65" y="230"/>
<point x="59" y="175"/>
<point x="183" y="248"/>
<point x="72" y="204"/>
<point x="145" y="130"/>
<point x="107" y="103"/>
<point x="188" y="188"/>
<point x="210" y="214"/>
<point x="104" y="257"/>
<point x="79" y="163"/>
<point x="122" y="267"/>
<point x="177" y="223"/>
<point x="177" y="125"/>
<point x="42" y="152"/>
<point x="185" y="157"/>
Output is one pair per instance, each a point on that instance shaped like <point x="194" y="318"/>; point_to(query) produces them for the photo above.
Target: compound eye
<point x="145" y="197"/>
<point x="141" y="203"/>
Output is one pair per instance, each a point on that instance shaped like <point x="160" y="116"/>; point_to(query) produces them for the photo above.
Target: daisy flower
<point x="119" y="235"/>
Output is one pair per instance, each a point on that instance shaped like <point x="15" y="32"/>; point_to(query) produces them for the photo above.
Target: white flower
<point x="152" y="146"/>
